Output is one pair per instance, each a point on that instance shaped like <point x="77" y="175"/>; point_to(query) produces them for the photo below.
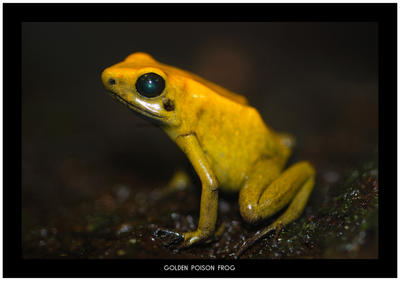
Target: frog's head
<point x="140" y="83"/>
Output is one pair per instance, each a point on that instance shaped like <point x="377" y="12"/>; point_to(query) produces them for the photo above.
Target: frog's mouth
<point x="132" y="106"/>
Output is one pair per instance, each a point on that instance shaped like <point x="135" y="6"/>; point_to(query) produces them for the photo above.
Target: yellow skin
<point x="225" y="139"/>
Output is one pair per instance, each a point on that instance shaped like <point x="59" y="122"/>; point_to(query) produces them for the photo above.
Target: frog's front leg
<point x="209" y="194"/>
<point x="267" y="191"/>
<point x="178" y="182"/>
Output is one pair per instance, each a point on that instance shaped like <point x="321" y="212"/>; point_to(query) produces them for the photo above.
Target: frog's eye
<point x="150" y="85"/>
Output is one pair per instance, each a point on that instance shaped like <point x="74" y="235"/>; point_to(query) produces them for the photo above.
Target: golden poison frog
<point x="227" y="142"/>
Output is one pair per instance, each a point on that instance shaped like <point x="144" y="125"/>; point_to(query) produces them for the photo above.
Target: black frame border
<point x="384" y="14"/>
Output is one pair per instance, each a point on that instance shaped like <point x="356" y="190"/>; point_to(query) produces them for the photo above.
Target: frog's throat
<point x="134" y="107"/>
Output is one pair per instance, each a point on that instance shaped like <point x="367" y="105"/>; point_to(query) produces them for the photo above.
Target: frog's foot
<point x="259" y="235"/>
<point x="198" y="236"/>
<point x="193" y="238"/>
<point x="278" y="229"/>
<point x="172" y="239"/>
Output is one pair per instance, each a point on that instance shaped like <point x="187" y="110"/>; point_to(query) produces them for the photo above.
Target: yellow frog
<point x="225" y="139"/>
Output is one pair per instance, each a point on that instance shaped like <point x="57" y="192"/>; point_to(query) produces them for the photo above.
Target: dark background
<point x="318" y="81"/>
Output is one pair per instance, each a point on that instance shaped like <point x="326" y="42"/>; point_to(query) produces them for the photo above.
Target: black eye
<point x="150" y="85"/>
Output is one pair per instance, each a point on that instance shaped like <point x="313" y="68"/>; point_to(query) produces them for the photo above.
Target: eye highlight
<point x="150" y="85"/>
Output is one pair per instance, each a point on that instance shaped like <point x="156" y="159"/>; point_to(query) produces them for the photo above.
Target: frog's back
<point x="233" y="137"/>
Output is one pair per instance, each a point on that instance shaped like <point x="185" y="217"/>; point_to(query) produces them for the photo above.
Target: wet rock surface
<point x="127" y="221"/>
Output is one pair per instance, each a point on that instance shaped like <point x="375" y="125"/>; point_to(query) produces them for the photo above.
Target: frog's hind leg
<point x="261" y="197"/>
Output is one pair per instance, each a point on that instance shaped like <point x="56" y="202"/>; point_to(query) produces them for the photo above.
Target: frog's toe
<point x="258" y="236"/>
<point x="194" y="238"/>
<point x="190" y="239"/>
<point x="167" y="237"/>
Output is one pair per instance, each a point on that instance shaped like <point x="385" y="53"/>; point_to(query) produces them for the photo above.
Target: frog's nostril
<point x="112" y="81"/>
